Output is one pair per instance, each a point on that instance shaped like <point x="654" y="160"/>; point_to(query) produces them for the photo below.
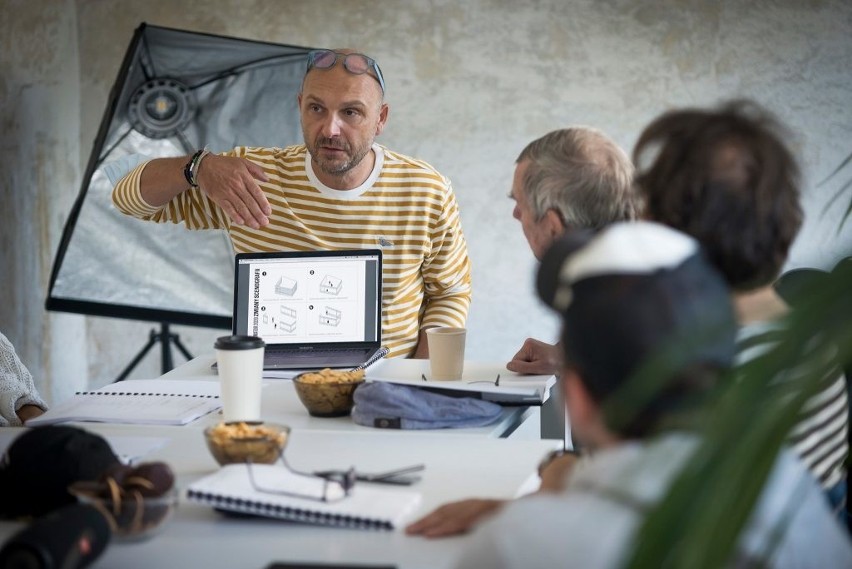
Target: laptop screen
<point x="305" y="298"/>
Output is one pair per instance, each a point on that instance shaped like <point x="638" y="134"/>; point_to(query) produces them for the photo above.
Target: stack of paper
<point x="477" y="378"/>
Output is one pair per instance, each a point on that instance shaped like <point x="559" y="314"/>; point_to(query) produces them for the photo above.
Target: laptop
<point x="313" y="309"/>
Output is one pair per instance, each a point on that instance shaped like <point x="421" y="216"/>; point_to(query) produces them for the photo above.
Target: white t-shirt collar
<point x="347" y="194"/>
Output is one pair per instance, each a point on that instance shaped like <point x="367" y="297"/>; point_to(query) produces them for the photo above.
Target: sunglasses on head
<point x="355" y="63"/>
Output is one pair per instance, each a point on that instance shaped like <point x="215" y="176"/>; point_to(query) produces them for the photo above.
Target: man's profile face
<point x="341" y="115"/>
<point x="537" y="231"/>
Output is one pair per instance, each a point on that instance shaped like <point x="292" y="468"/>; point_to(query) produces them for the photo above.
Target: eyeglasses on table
<point x="336" y="484"/>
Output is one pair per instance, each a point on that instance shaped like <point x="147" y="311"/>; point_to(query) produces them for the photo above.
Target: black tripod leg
<point x="166" y="361"/>
<point x="181" y="347"/>
<point x="165" y="337"/>
<point x="153" y="339"/>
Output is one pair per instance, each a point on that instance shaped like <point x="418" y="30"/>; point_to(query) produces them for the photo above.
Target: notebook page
<point x="132" y="409"/>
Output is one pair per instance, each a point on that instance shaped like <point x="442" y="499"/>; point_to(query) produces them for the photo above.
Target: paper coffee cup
<point x="446" y="352"/>
<point x="239" y="361"/>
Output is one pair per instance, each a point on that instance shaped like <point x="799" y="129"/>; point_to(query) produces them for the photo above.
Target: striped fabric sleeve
<point x="191" y="207"/>
<point x="820" y="434"/>
<point x="446" y="270"/>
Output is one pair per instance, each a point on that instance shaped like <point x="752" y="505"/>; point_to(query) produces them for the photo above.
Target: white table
<point x="281" y="404"/>
<point x="456" y="467"/>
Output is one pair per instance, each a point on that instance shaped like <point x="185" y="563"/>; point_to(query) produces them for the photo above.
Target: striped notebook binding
<point x="367" y="506"/>
<point x="142" y="393"/>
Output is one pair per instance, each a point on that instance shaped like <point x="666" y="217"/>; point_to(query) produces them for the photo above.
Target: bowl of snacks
<point x="262" y="443"/>
<point x="328" y="393"/>
<point x="135" y="500"/>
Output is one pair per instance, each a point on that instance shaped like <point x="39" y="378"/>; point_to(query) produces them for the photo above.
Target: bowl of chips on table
<point x="135" y="500"/>
<point x="328" y="392"/>
<point x="260" y="443"/>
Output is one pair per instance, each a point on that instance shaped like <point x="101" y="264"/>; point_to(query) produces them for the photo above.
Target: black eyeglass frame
<point x="315" y="54"/>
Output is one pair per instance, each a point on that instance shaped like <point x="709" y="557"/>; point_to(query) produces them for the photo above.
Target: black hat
<point x="631" y="291"/>
<point x="41" y="463"/>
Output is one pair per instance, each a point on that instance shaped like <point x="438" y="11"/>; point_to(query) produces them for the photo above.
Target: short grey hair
<point x="583" y="175"/>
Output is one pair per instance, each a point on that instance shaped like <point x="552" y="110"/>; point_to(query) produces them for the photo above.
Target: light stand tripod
<point x="165" y="337"/>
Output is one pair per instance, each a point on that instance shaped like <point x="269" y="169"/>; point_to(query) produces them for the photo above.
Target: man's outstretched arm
<point x="229" y="182"/>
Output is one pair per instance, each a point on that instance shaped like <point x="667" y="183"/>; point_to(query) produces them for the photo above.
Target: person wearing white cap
<point x="633" y="299"/>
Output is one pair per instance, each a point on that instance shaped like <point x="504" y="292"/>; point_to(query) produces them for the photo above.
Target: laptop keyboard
<point x="278" y="354"/>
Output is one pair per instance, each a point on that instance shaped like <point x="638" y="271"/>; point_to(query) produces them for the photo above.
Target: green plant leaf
<point x="699" y="521"/>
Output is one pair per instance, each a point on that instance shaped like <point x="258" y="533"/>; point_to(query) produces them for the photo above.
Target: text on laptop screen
<point x="309" y="299"/>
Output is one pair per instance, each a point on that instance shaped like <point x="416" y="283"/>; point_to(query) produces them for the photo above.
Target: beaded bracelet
<point x="190" y="171"/>
<point x="187" y="170"/>
<point x="196" y="166"/>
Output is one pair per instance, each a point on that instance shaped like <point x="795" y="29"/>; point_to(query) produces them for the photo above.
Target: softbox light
<point x="176" y="91"/>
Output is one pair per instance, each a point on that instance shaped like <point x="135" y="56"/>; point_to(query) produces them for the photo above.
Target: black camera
<point x="71" y="537"/>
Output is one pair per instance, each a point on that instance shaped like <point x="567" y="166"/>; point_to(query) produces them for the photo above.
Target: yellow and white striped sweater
<point x="406" y="208"/>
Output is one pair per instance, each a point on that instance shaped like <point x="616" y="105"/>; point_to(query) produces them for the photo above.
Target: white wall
<point x="469" y="85"/>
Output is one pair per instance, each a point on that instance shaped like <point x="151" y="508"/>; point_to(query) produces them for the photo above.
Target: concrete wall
<point x="469" y="85"/>
<point x="40" y="155"/>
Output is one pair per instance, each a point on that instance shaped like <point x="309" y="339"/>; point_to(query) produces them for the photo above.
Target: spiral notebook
<point x="367" y="506"/>
<point x="138" y="401"/>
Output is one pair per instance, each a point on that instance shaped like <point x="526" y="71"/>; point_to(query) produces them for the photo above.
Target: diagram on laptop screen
<point x="307" y="301"/>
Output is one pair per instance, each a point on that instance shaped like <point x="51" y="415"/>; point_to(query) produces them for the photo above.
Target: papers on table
<point x="477" y="378"/>
<point x="138" y="401"/>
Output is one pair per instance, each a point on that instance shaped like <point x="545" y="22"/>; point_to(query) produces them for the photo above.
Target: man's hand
<point x="231" y="183"/>
<point x="555" y="473"/>
<point x="536" y="358"/>
<point x="228" y="181"/>
<point x="27" y="412"/>
<point x="454" y="518"/>
<point x="421" y="352"/>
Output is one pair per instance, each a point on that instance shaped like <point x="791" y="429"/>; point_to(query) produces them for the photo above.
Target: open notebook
<point x="138" y="401"/>
<point x="367" y="507"/>
<point x="478" y="380"/>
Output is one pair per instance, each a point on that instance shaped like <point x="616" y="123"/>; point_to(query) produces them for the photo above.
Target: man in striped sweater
<point x="338" y="190"/>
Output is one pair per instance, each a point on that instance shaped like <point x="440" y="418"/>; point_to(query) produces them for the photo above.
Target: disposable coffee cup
<point x="446" y="352"/>
<point x="239" y="360"/>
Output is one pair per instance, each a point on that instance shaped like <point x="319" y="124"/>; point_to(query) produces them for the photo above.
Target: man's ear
<point x="383" y="118"/>
<point x="552" y="224"/>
